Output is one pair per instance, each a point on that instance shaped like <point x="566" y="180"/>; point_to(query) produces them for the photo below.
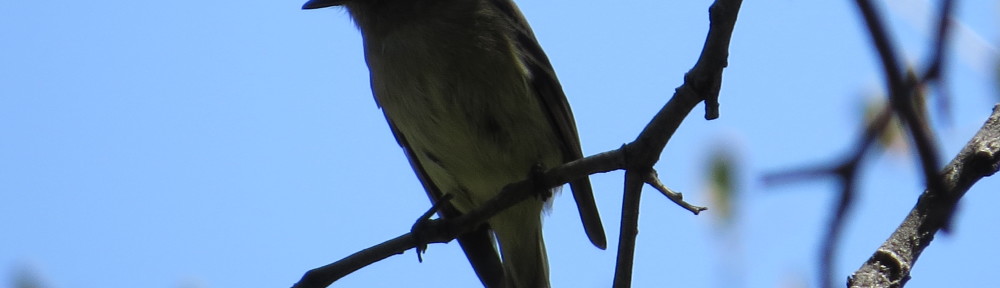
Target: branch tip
<point x="652" y="179"/>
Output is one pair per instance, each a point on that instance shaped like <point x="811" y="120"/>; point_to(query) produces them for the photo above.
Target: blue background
<point x="236" y="144"/>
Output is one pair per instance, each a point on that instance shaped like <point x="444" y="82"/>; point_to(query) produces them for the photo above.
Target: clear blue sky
<point x="221" y="144"/>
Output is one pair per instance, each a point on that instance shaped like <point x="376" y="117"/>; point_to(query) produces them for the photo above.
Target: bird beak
<point x="313" y="4"/>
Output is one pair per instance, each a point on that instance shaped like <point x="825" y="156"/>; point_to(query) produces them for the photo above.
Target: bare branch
<point x="445" y="230"/>
<point x="702" y="83"/>
<point x="846" y="172"/>
<point x="937" y="60"/>
<point x="901" y="91"/>
<point x="653" y="179"/>
<point x="890" y="265"/>
<point x="628" y="230"/>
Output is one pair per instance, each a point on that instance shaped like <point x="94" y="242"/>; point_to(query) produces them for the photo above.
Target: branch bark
<point x="891" y="264"/>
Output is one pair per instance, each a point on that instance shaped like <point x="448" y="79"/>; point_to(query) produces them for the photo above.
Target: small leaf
<point x="721" y="184"/>
<point x="892" y="138"/>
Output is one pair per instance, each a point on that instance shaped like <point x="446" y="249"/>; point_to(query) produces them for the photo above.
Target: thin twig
<point x="939" y="44"/>
<point x="938" y="59"/>
<point x="654" y="180"/>
<point x="848" y="178"/>
<point x="901" y="91"/>
<point x="846" y="172"/>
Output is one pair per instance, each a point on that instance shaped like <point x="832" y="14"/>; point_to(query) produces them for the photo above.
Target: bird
<point x="475" y="104"/>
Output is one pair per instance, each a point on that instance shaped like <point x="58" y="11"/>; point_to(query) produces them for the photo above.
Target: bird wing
<point x="546" y="86"/>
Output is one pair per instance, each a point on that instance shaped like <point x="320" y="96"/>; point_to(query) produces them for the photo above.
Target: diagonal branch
<point x="445" y="230"/>
<point x="890" y="265"/>
<point x="901" y="93"/>
<point x="701" y="83"/>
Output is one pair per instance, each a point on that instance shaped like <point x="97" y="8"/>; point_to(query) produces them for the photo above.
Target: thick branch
<point x="891" y="264"/>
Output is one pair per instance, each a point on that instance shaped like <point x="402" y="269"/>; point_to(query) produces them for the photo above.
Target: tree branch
<point x="847" y="173"/>
<point x="445" y="230"/>
<point x="890" y="265"/>
<point x="701" y="83"/>
<point x="901" y="93"/>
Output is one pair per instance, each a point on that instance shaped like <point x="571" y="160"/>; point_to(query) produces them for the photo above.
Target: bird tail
<point x="519" y="232"/>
